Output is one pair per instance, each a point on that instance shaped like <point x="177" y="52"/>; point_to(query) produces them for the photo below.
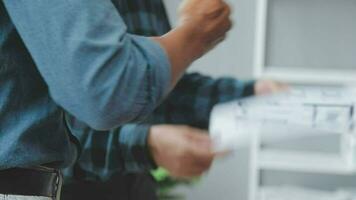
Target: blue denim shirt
<point x="75" y="56"/>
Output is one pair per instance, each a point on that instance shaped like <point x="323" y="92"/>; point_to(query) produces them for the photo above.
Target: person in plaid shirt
<point x="127" y="149"/>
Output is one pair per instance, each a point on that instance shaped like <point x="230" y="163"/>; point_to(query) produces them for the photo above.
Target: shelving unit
<point x="285" y="52"/>
<point x="262" y="159"/>
<point x="295" y="42"/>
<point x="312" y="162"/>
<point x="304" y="162"/>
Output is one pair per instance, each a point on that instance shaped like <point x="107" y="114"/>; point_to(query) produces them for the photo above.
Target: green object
<point x="160" y="174"/>
<point x="166" y="184"/>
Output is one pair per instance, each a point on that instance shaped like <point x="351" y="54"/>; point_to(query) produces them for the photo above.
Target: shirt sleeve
<point x="93" y="68"/>
<point x="194" y="97"/>
<point x="104" y="153"/>
<point x="126" y="149"/>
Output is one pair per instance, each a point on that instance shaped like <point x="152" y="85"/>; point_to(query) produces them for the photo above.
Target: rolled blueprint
<point x="300" y="113"/>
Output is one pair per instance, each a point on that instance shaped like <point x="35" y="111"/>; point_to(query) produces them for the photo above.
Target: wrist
<point x="185" y="38"/>
<point x="183" y="47"/>
<point x="191" y="39"/>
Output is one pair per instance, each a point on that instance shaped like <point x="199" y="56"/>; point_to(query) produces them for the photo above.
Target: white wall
<point x="234" y="57"/>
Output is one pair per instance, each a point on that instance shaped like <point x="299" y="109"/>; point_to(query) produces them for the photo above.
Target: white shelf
<point x="310" y="76"/>
<point x="304" y="162"/>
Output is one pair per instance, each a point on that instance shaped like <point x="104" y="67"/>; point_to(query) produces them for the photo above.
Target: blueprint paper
<point x="310" y="110"/>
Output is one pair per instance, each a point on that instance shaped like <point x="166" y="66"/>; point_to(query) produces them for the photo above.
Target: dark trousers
<point x="119" y="187"/>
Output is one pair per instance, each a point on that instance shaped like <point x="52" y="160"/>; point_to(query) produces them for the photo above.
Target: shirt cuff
<point x="249" y="88"/>
<point x="134" y="148"/>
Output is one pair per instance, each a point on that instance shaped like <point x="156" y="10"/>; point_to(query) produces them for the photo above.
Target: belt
<point x="36" y="181"/>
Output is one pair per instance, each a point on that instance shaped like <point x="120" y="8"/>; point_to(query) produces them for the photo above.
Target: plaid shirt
<point x="125" y="149"/>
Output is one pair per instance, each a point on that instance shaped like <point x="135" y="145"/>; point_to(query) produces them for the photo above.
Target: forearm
<point x="182" y="48"/>
<point x="194" y="97"/>
<point x="105" y="153"/>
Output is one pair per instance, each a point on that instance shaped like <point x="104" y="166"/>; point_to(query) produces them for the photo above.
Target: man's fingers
<point x="190" y="169"/>
<point x="202" y="146"/>
<point x="199" y="136"/>
<point x="197" y="169"/>
<point x="204" y="164"/>
<point x="202" y="156"/>
<point x="223" y="20"/>
<point x="225" y="24"/>
<point x="221" y="16"/>
<point x="216" y="9"/>
<point x="192" y="150"/>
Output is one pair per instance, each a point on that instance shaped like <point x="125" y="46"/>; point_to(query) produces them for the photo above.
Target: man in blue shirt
<point x="77" y="56"/>
<point x="159" y="140"/>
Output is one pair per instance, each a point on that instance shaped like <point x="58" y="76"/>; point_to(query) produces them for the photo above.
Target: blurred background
<point x="299" y="41"/>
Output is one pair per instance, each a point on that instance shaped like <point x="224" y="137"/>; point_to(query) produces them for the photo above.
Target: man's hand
<point x="202" y="25"/>
<point x="207" y="20"/>
<point x="184" y="151"/>
<point x="264" y="87"/>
